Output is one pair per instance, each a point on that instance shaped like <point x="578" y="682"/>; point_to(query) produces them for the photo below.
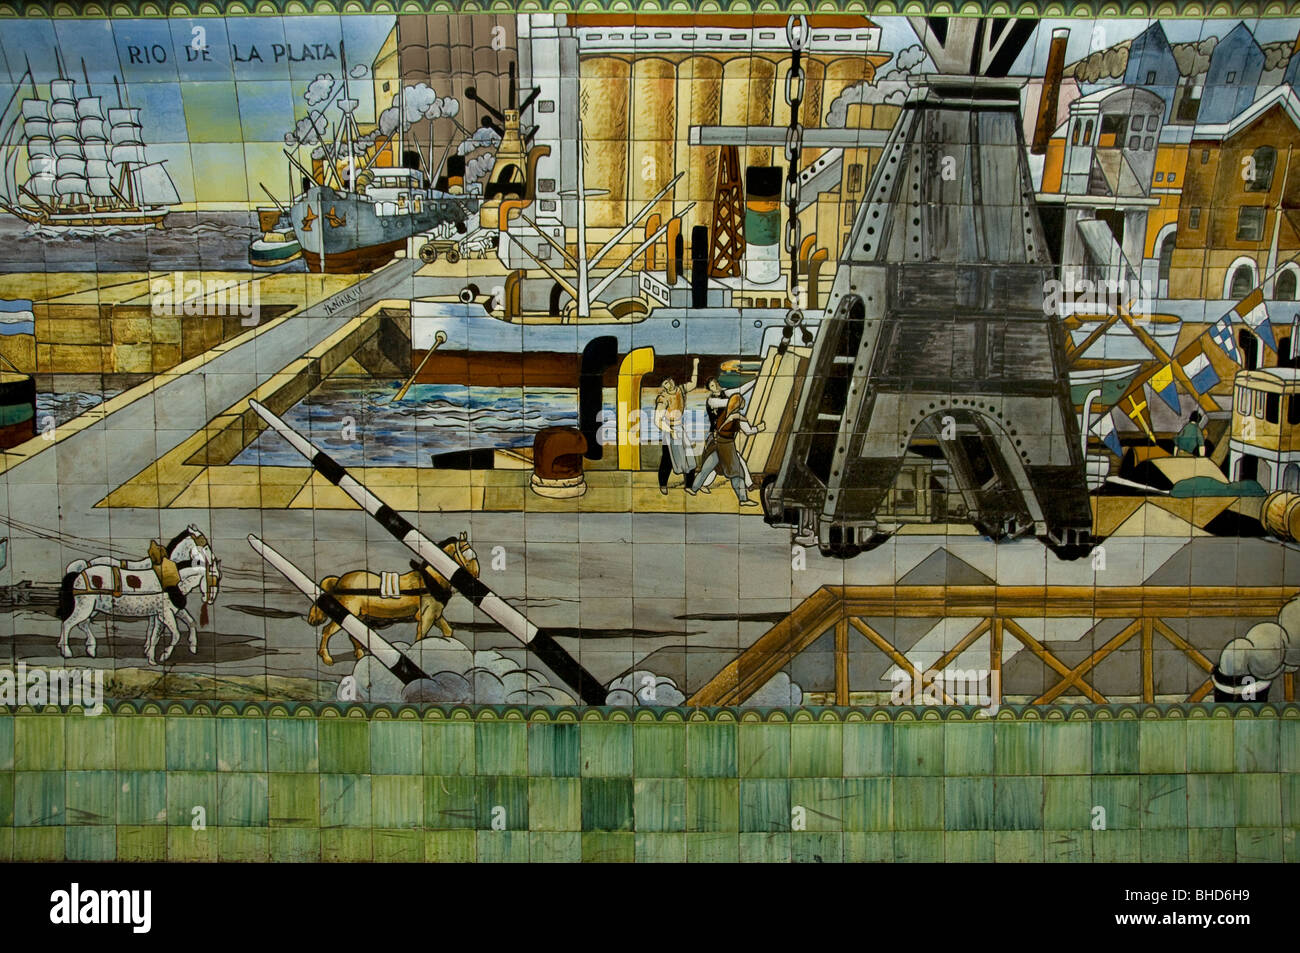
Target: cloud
<point x="308" y="131"/>
<point x="358" y="71"/>
<point x="456" y="676"/>
<point x="779" y="692"/>
<point x="416" y="103"/>
<point x="890" y="88"/>
<point x="644" y="687"/>
<point x="480" y="166"/>
<point x="483" y="138"/>
<point x="319" y="89"/>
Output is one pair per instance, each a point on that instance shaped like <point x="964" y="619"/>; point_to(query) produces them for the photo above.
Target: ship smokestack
<point x="1051" y="95"/>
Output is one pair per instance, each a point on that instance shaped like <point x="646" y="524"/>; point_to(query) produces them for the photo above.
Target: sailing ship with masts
<point x="70" y="163"/>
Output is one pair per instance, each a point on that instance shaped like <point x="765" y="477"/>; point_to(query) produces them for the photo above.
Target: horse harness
<point x="440" y="591"/>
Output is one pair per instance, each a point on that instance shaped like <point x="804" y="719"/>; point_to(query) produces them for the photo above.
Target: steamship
<point x="355" y="229"/>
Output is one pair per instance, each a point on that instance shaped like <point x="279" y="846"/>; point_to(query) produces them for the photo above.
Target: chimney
<point x="1051" y="94"/>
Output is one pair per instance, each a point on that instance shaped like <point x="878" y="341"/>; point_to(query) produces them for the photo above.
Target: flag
<point x="1199" y="370"/>
<point x="1162" y="382"/>
<point x="1135" y="411"/>
<point x="1221" y="334"/>
<point x="1251" y="311"/>
<point x="1105" y="430"/>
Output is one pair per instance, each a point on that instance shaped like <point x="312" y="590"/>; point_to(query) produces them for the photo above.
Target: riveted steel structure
<point x="935" y="334"/>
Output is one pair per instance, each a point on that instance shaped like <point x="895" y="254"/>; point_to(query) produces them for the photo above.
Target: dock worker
<point x="715" y="405"/>
<point x="724" y="454"/>
<point x="1190" y="440"/>
<point x="669" y="418"/>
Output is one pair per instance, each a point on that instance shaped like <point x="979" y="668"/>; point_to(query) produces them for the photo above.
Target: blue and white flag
<point x="1200" y="371"/>
<point x="1221" y="334"/>
<point x="1105" y="431"/>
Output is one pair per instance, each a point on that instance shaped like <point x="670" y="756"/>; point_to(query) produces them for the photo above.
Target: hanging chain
<point x="796" y="33"/>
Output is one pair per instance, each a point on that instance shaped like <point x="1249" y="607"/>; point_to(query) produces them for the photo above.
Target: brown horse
<point x="420" y="594"/>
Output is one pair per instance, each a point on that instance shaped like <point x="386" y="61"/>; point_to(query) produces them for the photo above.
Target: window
<point x="1265" y="161"/>
<point x="1166" y="257"/>
<point x="1136" y="123"/>
<point x="545" y="185"/>
<point x="1249" y="356"/>
<point x="1205" y="156"/>
<point x="1293" y="409"/>
<point x="1272" y="406"/>
<point x="1160" y="176"/>
<point x="1074" y="135"/>
<point x="1149" y="144"/>
<point x="1243" y="283"/>
<point x="1284" y="286"/>
<point x="546" y="106"/>
<point x="1151" y="76"/>
<point x="547" y="205"/>
<point x="1113" y="129"/>
<point x="855" y="177"/>
<point x="1259" y="404"/>
<point x="1243" y="400"/>
<point x="1250" y="223"/>
<point x="1135" y="142"/>
<point x="1171" y="176"/>
<point x="1194" y="218"/>
<point x="1087" y="133"/>
<point x="1232" y="77"/>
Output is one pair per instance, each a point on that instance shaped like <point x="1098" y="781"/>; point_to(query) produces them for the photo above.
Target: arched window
<point x="1166" y="254"/>
<point x="1074" y="134"/>
<point x="1265" y="161"/>
<point x="1087" y="133"/>
<point x="1284" y="286"/>
<point x="1243" y="282"/>
<point x="1249" y="346"/>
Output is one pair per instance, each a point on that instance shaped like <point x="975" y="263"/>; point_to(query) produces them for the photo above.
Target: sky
<point x="1087" y="36"/>
<point x="216" y="115"/>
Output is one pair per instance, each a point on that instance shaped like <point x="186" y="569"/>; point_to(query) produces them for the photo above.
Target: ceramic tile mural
<point x="575" y="433"/>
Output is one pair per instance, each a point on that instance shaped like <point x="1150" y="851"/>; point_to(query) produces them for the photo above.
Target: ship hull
<point x="264" y="254"/>
<point x="486" y="350"/>
<point x="353" y="261"/>
<point x="139" y="219"/>
<point x="342" y="232"/>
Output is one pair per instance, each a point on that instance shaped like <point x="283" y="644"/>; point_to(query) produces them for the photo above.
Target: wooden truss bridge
<point x="994" y="611"/>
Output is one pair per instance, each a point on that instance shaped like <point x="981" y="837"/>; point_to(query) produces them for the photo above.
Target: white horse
<point x="184" y="549"/>
<point x="181" y="550"/>
<point x="138" y="594"/>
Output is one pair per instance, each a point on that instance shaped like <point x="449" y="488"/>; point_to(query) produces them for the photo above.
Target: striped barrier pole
<point x="388" y="656"/>
<point x="541" y="642"/>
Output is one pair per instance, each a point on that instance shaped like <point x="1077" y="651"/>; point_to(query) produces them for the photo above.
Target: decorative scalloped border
<point x="1078" y="9"/>
<point x="568" y="715"/>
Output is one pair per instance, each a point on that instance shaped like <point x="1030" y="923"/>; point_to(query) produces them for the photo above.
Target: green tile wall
<point x="254" y="783"/>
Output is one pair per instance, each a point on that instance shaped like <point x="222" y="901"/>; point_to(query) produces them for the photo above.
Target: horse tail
<point x="66" y="599"/>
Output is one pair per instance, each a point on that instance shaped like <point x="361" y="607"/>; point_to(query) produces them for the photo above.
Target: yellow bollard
<point x="635" y="365"/>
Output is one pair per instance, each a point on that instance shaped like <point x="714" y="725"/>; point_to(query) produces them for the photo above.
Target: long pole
<point x="542" y="643"/>
<point x="393" y="660"/>
<point x="439" y="338"/>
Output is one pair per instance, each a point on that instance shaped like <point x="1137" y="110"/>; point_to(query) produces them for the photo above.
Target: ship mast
<point x="348" y="120"/>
